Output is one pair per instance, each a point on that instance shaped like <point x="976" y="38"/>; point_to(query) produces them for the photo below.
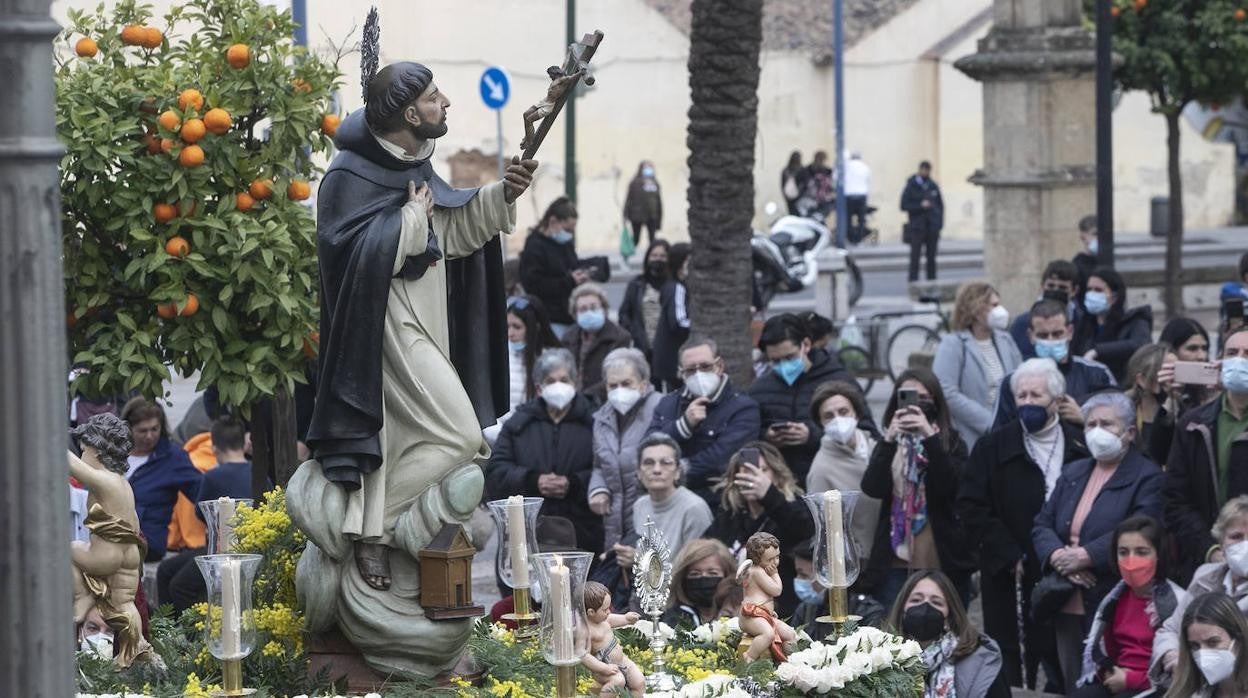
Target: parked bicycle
<point x="869" y="358"/>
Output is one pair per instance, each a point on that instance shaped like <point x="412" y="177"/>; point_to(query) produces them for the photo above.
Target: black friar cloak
<point x="358" y="225"/>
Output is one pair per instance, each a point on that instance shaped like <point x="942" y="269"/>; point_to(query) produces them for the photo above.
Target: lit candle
<point x="561" y="598"/>
<point x="225" y="525"/>
<point x="517" y="543"/>
<point x="231" y="611"/>
<point x="836" y="537"/>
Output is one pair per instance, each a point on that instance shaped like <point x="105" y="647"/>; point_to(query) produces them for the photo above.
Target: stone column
<point x="1037" y="66"/>
<point x="36" y="639"/>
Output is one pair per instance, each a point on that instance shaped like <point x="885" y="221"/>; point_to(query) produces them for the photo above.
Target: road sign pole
<point x="498" y="121"/>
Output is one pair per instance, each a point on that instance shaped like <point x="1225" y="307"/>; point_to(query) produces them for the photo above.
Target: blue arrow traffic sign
<point x="495" y="87"/>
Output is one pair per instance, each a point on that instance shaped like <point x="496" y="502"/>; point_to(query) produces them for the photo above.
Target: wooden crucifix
<point x="563" y="80"/>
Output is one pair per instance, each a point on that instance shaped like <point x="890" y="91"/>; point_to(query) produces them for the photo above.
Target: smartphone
<point x="907" y="397"/>
<point x="751" y="456"/>
<point x="769" y="424"/>
<point x="1196" y="373"/>
<point x="1233" y="308"/>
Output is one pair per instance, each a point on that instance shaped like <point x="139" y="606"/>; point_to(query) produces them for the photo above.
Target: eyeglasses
<point x="665" y="462"/>
<point x="518" y="303"/>
<point x="700" y="368"/>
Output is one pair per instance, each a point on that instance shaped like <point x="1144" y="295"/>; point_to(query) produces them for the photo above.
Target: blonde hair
<point x="588" y="288"/>
<point x="972" y="298"/>
<point x="696" y="551"/>
<point x="1235" y="509"/>
<point x="781" y="477"/>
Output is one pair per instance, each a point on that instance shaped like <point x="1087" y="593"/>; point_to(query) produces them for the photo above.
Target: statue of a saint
<point x="107" y="569"/>
<point x="411" y="292"/>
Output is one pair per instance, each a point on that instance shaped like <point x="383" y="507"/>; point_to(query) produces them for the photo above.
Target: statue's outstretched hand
<point x="518" y="178"/>
<point x="423" y="195"/>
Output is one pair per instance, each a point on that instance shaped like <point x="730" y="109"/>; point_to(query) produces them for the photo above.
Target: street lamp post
<point x="1104" y="134"/>
<point x="36" y="638"/>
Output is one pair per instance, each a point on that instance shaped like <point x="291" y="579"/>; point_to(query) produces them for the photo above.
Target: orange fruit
<point x="169" y="120"/>
<point x="1140" y="5"/>
<point x="244" y="202"/>
<point x="187" y="208"/>
<point x="190" y="98"/>
<point x="164" y="212"/>
<point x="261" y="189"/>
<point x="167" y="311"/>
<point x="1115" y="11"/>
<point x="71" y="320"/>
<point x="166" y="144"/>
<point x="152" y="37"/>
<point x="329" y="124"/>
<point x="1240" y="15"/>
<point x="177" y="247"/>
<point x="133" y="35"/>
<point x="311" y="344"/>
<point x="300" y="85"/>
<point x="193" y="130"/>
<point x="191" y="156"/>
<point x="191" y="307"/>
<point x="238" y="55"/>
<point x="86" y="47"/>
<point x="298" y="190"/>
<point x="218" y="121"/>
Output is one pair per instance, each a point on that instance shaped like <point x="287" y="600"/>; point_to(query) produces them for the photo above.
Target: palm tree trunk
<point x="1173" y="292"/>
<point x="724" y="44"/>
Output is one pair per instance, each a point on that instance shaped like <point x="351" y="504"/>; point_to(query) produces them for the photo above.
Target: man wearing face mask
<point x="1011" y="472"/>
<point x="1060" y="283"/>
<point x="709" y="418"/>
<point x="784" y="393"/>
<point x="1050" y="333"/>
<point x="1208" y="462"/>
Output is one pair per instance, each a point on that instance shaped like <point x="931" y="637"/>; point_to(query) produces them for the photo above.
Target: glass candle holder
<point x="230" y="624"/>
<point x="513" y="545"/>
<point x="836" y="553"/>
<point x="564" y="629"/>
<point x="220" y="519"/>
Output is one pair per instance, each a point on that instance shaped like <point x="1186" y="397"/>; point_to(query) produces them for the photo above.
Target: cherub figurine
<point x="760" y="578"/>
<point x="612" y="670"/>
<point x="560" y="83"/>
<point x="107" y="569"/>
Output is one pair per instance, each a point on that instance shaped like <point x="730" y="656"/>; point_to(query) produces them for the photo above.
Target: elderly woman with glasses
<point x="1073" y="533"/>
<point x="546" y="449"/>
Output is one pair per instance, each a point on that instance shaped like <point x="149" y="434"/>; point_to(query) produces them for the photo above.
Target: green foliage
<point x="1181" y="51"/>
<point x="253" y="273"/>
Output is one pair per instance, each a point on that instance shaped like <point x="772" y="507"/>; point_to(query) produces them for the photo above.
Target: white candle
<point x="231" y="611"/>
<point x="517" y="542"/>
<point x="561" y="598"/>
<point x="836" y="537"/>
<point x="225" y="525"/>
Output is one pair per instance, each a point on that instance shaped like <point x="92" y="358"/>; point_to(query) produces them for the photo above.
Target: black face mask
<point x="1056" y="294"/>
<point x="656" y="269"/>
<point x="701" y="590"/>
<point x="929" y="410"/>
<point x="923" y="623"/>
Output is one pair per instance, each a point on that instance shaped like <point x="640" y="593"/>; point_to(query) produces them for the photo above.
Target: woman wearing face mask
<point x="1073" y="532"/>
<point x="549" y="267"/>
<point x="546" y="449"/>
<point x="1119" y="647"/>
<point x="674" y="323"/>
<point x="914" y="471"/>
<point x="763" y="497"/>
<point x="619" y="427"/>
<point x="1108" y="332"/>
<point x="593" y="338"/>
<point x="1211" y="658"/>
<point x="642" y="304"/>
<point x="1010" y="474"/>
<point x="974" y="359"/>
<point x="699" y="568"/>
<point x="643" y="208"/>
<point x="958" y="659"/>
<point x="1228" y="574"/>
<point x="528" y="335"/>
<point x="1155" y="406"/>
<point x="849" y="438"/>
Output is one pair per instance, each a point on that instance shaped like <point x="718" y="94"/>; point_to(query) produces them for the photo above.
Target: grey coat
<point x="615" y="463"/>
<point x="963" y="375"/>
<point x="978" y="673"/>
<point x="1209" y="577"/>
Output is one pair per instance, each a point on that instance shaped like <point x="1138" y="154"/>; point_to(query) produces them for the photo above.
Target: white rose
<point x="908" y="650"/>
<point x="703" y="634"/>
<point x="787" y="671"/>
<point x="858" y="664"/>
<point x="831" y="679"/>
<point x="806" y="678"/>
<point x="881" y="658"/>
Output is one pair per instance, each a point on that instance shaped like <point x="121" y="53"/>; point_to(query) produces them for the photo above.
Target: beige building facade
<point x="905" y="102"/>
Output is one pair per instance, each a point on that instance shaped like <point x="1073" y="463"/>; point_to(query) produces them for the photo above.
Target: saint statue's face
<point x="427" y="115"/>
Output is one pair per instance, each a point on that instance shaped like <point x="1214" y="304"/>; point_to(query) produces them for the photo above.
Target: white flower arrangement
<point x="646" y="628"/>
<point x="713" y="686"/>
<point x="825" y="667"/>
<point x="716" y="631"/>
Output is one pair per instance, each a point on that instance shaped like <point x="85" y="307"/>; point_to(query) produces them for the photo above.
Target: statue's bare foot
<point x="373" y="562"/>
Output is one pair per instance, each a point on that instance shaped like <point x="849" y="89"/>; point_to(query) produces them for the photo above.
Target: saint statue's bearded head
<point x="403" y="99"/>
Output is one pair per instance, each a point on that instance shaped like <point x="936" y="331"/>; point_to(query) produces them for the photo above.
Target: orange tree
<point x="189" y="144"/>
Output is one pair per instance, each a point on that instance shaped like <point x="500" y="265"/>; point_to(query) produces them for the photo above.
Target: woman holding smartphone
<point x="914" y="472"/>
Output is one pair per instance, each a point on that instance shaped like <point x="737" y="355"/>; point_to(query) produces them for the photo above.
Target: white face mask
<point x="703" y="383"/>
<point x="1104" y="445"/>
<point x="1237" y="558"/>
<point x="1216" y="665"/>
<point x="558" y="395"/>
<point x="999" y="318"/>
<point x="840" y="429"/>
<point x="101" y="644"/>
<point x="623" y="399"/>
